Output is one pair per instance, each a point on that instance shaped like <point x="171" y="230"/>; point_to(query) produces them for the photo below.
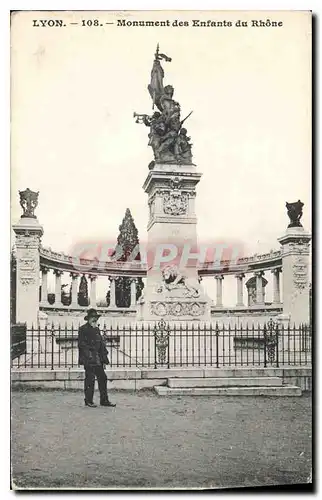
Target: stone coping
<point x="77" y="374"/>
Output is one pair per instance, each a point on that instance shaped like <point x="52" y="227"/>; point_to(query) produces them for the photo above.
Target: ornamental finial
<point x="28" y="202"/>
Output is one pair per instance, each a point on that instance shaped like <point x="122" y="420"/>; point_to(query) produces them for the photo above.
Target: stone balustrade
<point x="270" y="264"/>
<point x="54" y="259"/>
<point x="61" y="263"/>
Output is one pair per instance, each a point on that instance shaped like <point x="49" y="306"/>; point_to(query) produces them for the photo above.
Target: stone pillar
<point x="44" y="285"/>
<point x="172" y="226"/>
<point x="296" y="274"/>
<point x="112" y="291"/>
<point x="92" y="299"/>
<point x="28" y="237"/>
<point x="240" y="300"/>
<point x="133" y="292"/>
<point x="74" y="302"/>
<point x="276" y="285"/>
<point x="219" y="280"/>
<point x="58" y="274"/>
<point x="259" y="288"/>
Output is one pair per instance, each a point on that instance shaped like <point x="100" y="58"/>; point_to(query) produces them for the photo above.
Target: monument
<point x="172" y="290"/>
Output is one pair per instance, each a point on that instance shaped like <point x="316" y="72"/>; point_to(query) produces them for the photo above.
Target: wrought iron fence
<point x="165" y="345"/>
<point x="18" y="340"/>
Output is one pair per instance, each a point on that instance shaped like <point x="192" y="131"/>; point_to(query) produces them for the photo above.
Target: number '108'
<point x="89" y="22"/>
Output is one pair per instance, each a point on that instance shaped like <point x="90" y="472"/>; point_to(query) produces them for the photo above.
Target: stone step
<point x="286" y="390"/>
<point x="225" y="382"/>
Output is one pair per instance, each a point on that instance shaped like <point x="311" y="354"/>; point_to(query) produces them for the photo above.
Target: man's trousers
<point x="90" y="373"/>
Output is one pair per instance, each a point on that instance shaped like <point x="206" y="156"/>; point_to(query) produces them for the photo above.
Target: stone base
<point x="174" y="308"/>
<point x="144" y="378"/>
<point x="288" y="390"/>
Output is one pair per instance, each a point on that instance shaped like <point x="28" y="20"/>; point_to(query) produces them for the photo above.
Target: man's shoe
<point x="91" y="405"/>
<point x="107" y="403"/>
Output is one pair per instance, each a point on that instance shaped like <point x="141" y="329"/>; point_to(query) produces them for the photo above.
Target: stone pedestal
<point x="172" y="291"/>
<point x="28" y="235"/>
<point x="296" y="274"/>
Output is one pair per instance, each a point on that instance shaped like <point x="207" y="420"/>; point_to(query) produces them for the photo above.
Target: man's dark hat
<point x="92" y="313"/>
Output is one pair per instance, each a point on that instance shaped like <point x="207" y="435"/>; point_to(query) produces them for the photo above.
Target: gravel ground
<point x="157" y="442"/>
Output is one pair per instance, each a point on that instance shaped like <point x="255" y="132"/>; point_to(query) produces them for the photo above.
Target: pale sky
<point x="74" y="139"/>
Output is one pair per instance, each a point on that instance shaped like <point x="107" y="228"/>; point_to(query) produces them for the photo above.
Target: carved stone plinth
<point x="175" y="306"/>
<point x="183" y="309"/>
<point x="296" y="274"/>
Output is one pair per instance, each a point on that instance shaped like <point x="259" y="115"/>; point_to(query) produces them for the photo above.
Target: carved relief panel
<point x="300" y="273"/>
<point x="27" y="266"/>
<point x="175" y="203"/>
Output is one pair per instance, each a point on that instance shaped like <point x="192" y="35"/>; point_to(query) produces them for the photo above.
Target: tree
<point x="127" y="240"/>
<point x="66" y="297"/>
<point x="83" y="292"/>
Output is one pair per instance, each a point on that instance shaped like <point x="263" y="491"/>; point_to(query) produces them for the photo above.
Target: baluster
<point x="174" y="345"/>
<point x="250" y="345"/>
<point x="27" y="347"/>
<point x="230" y="343"/>
<point x="142" y="345"/>
<point x="122" y="341"/>
<point x="225" y="336"/>
<point x="305" y="343"/>
<point x="251" y="341"/>
<point x="59" y="345"/>
<point x="32" y="345"/>
<point x="242" y="344"/>
<point x="149" y="340"/>
<point x="187" y="340"/>
<point x="52" y="345"/>
<point x="288" y="343"/>
<point x="265" y="350"/>
<point x="180" y="344"/>
<point x="136" y="344"/>
<point x="217" y="346"/>
<point x="192" y="344"/>
<point x="168" y="348"/>
<point x="198" y="344"/>
<point x="118" y="342"/>
<point x="277" y="345"/>
<point x="130" y="344"/>
<point x="73" y="343"/>
<point x="294" y="344"/>
<point x="45" y="341"/>
<point x="38" y="346"/>
<point x="66" y="344"/>
<point x="283" y="350"/>
<point x="205" y="339"/>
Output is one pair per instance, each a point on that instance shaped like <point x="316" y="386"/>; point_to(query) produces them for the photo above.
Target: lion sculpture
<point x="174" y="280"/>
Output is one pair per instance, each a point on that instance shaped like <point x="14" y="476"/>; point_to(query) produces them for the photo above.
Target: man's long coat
<point x="91" y="347"/>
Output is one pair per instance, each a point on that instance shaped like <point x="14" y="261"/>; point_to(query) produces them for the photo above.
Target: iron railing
<point x="165" y="345"/>
<point x="18" y="340"/>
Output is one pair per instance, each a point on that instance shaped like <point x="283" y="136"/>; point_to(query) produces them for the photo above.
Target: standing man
<point x="93" y="355"/>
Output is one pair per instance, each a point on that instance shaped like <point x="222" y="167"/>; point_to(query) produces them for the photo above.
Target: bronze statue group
<point x="167" y="137"/>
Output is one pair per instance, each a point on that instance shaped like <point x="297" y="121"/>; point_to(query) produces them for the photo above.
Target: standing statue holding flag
<point x="167" y="138"/>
